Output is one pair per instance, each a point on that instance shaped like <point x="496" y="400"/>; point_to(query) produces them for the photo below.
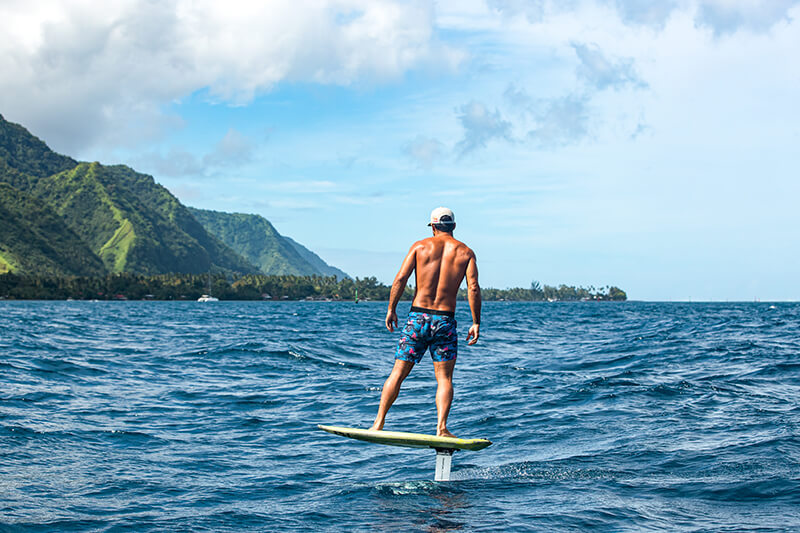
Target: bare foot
<point x="376" y="427"/>
<point x="445" y="433"/>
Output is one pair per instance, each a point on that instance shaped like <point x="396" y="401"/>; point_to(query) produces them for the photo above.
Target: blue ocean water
<point x="161" y="416"/>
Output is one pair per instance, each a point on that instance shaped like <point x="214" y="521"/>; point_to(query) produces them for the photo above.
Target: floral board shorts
<point x="428" y="329"/>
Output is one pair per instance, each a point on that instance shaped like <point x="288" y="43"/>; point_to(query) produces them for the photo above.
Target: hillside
<point x="316" y="261"/>
<point x="132" y="223"/>
<point x="35" y="239"/>
<point x="28" y="154"/>
<point x="126" y="219"/>
<point x="256" y="239"/>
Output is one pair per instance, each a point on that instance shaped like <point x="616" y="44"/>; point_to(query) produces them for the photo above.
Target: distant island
<point x="128" y="286"/>
<point x="546" y="293"/>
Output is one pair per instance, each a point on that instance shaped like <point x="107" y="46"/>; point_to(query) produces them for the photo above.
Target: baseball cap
<point x="438" y="213"/>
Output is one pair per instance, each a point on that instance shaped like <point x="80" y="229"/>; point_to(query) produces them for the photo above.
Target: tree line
<point x="546" y="293"/>
<point x="129" y="286"/>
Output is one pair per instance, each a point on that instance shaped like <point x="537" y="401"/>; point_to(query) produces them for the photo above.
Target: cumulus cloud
<point x="639" y="12"/>
<point x="233" y="150"/>
<point x="653" y="13"/>
<point x="728" y="16"/>
<point x="547" y="122"/>
<point x="550" y="122"/>
<point x="722" y="16"/>
<point x="517" y="98"/>
<point x="78" y="71"/>
<point x="534" y="10"/>
<point x="600" y="72"/>
<point x="560" y="121"/>
<point x="480" y="126"/>
<point x="424" y="151"/>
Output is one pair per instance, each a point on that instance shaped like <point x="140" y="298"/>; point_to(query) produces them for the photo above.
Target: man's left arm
<point x="474" y="298"/>
<point x="399" y="286"/>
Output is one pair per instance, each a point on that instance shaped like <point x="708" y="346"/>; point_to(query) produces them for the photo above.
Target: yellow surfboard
<point x="410" y="440"/>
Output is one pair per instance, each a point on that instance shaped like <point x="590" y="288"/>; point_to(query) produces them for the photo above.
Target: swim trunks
<point x="428" y="329"/>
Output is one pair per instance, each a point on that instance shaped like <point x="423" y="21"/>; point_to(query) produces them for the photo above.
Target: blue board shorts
<point x="428" y="329"/>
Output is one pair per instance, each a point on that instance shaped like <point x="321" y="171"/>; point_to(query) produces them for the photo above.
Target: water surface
<point x="605" y="416"/>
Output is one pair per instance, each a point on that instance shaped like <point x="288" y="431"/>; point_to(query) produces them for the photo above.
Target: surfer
<point x="441" y="263"/>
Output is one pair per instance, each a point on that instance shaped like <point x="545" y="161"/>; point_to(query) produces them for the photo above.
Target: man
<point x="441" y="263"/>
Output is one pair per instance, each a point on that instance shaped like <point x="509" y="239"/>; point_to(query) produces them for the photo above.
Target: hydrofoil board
<point x="409" y="440"/>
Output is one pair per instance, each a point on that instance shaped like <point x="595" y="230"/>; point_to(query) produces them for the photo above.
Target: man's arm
<point x="399" y="285"/>
<point x="474" y="297"/>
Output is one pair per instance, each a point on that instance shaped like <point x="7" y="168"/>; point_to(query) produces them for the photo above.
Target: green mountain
<point x="134" y="224"/>
<point x="125" y="218"/>
<point x="316" y="261"/>
<point x="256" y="239"/>
<point x="29" y="155"/>
<point x="35" y="239"/>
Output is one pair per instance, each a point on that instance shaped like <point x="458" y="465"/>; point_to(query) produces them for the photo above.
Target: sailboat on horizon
<point x="208" y="297"/>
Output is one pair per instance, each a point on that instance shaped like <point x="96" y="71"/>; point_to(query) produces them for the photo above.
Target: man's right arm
<point x="474" y="297"/>
<point x="399" y="286"/>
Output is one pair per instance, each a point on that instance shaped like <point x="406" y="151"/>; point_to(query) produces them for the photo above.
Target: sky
<point x="651" y="145"/>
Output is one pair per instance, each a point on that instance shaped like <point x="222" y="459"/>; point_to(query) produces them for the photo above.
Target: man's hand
<point x="391" y="320"/>
<point x="474" y="333"/>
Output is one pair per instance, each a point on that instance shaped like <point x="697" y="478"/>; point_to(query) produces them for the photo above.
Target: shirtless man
<point x="441" y="263"/>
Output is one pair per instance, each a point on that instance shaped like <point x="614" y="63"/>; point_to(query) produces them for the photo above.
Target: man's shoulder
<point x="422" y="243"/>
<point x="433" y="242"/>
<point x="464" y="248"/>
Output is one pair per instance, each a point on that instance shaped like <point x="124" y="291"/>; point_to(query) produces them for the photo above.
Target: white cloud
<point x="77" y="72"/>
<point x="652" y="13"/>
<point x="480" y="126"/>
<point x="550" y="122"/>
<point x="534" y="10"/>
<point x="722" y="16"/>
<point x="647" y="12"/>
<point x="728" y="16"/>
<point x="601" y="72"/>
<point x="232" y="151"/>
<point x="560" y="121"/>
<point x="518" y="98"/>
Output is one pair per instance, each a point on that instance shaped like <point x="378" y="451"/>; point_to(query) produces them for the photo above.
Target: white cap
<point x="438" y="213"/>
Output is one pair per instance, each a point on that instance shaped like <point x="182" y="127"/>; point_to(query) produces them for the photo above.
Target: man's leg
<point x="390" y="390"/>
<point x="444" y="394"/>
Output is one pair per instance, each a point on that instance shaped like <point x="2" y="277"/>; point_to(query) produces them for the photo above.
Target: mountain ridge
<point x="317" y="261"/>
<point x="257" y="240"/>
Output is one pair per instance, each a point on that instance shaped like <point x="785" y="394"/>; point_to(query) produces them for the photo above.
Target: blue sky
<point x="646" y="144"/>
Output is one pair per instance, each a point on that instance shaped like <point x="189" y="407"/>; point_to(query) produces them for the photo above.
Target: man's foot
<point x="445" y="433"/>
<point x="376" y="427"/>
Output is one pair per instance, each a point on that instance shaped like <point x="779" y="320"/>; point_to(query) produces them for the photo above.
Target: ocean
<point x="186" y="416"/>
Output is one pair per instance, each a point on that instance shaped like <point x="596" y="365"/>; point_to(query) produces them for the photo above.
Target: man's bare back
<point x="441" y="263"/>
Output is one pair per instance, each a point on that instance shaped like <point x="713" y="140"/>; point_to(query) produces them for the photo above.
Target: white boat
<point x="207" y="298"/>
